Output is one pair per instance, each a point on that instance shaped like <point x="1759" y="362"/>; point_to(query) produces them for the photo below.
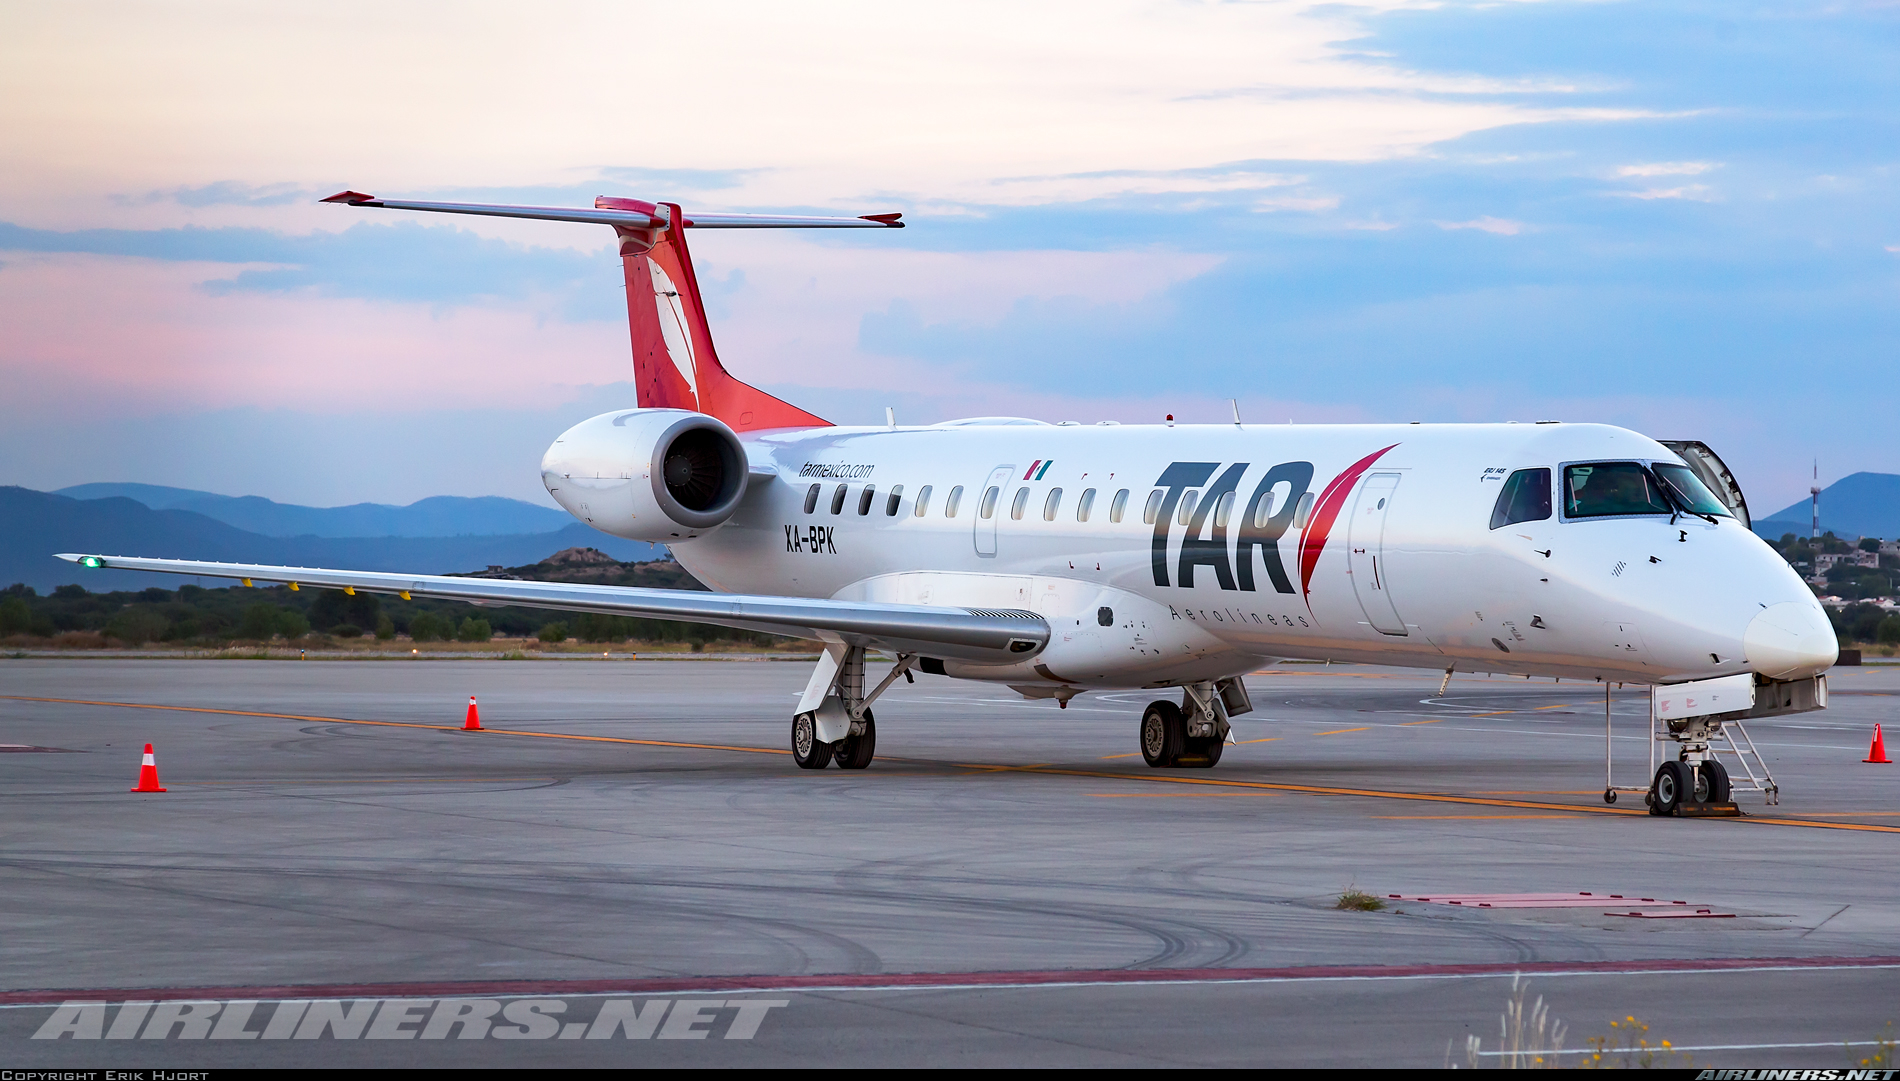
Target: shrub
<point x="292" y="625"/>
<point x="474" y="630"/>
<point x="137" y="626"/>
<point x="428" y="627"/>
<point x="347" y="630"/>
<point x="1889" y="631"/>
<point x="553" y="632"/>
<point x="15" y="616"/>
<point x="385" y="630"/>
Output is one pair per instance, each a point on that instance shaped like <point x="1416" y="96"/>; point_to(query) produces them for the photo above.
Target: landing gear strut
<point x="834" y="720"/>
<point x="1194" y="733"/>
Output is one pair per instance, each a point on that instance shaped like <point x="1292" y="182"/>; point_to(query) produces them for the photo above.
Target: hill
<point x="35" y="525"/>
<point x="1857" y="505"/>
<point x="437" y="516"/>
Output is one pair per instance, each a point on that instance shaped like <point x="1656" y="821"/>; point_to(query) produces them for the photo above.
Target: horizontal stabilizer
<point x="978" y="636"/>
<point x="629" y="213"/>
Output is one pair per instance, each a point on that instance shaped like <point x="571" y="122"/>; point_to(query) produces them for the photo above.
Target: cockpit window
<point x="1525" y="498"/>
<point x="1688" y="489"/>
<point x="1608" y="489"/>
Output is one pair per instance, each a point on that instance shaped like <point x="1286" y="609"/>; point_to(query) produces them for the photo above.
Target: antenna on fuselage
<point x="1235" y="402"/>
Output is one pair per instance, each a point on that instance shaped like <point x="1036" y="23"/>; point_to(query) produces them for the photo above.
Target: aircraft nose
<point x="1790" y="640"/>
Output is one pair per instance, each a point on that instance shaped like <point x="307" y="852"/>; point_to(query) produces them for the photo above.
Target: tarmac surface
<point x="1008" y="884"/>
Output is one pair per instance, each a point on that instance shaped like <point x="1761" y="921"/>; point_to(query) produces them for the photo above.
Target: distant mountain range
<point x="35" y="525"/>
<point x="1857" y="505"/>
<point x="438" y="516"/>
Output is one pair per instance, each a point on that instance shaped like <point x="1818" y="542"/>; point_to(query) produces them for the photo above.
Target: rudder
<point x="674" y="363"/>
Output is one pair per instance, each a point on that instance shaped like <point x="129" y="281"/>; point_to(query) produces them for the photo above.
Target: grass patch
<point x="1355" y="899"/>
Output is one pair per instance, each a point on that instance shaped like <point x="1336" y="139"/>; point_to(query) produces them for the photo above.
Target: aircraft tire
<point x="807" y="750"/>
<point x="1670" y="788"/>
<point x="1714" y="786"/>
<point x="856" y="752"/>
<point x="1163" y="734"/>
<point x="1203" y="752"/>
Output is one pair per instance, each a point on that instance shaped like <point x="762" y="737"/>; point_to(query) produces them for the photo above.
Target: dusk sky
<point x="1676" y="217"/>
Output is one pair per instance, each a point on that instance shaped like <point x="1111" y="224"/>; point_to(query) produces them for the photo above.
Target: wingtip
<point x="349" y="197"/>
<point x="887" y="220"/>
<point x="70" y="557"/>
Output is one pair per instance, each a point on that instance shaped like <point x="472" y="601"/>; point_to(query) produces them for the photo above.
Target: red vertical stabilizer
<point x="674" y="365"/>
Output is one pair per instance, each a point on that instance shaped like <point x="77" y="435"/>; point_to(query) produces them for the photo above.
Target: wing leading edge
<point x="976" y="635"/>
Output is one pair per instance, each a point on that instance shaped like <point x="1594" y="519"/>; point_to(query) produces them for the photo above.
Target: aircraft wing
<point x="977" y="635"/>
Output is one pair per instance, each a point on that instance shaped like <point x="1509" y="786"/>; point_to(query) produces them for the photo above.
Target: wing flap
<point x="984" y="636"/>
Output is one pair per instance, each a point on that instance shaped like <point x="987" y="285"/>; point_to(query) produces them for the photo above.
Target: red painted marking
<point x="1313" y="538"/>
<point x="684" y="985"/>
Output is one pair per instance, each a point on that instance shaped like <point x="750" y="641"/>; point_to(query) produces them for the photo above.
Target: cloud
<point x="224" y="193"/>
<point x="1700" y="193"/>
<point x="1668" y="168"/>
<point x="1500" y="226"/>
<point x="402" y="261"/>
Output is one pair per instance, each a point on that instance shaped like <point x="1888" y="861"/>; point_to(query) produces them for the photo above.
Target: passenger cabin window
<point x="1304" y="512"/>
<point x="811" y="498"/>
<point x="955" y="501"/>
<point x="1051" y="505"/>
<point x="837" y="499"/>
<point x="1222" y="509"/>
<point x="1118" y="506"/>
<point x="890" y="505"/>
<point x="923" y="502"/>
<point x="1084" y="505"/>
<point x="986" y="507"/>
<point x="864" y="498"/>
<point x="1016" y="505"/>
<point x="1263" y="511"/>
<point x="1188" y="499"/>
<point x="1687" y="489"/>
<point x="1153" y="507"/>
<point x="1525" y="498"/>
<point x="1611" y="489"/>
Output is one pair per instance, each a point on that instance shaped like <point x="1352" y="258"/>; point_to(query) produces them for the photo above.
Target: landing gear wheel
<point x="855" y="752"/>
<point x="1163" y="734"/>
<point x="1609" y="795"/>
<point x="1670" y="788"/>
<point x="1202" y="752"/>
<point x="1711" y="783"/>
<point x="806" y="750"/>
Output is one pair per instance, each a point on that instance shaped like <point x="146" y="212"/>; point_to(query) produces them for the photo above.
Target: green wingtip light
<point x="92" y="561"/>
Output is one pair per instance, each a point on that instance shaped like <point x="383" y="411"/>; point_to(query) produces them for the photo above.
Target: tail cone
<point x="1878" y="752"/>
<point x="148" y="773"/>
<point x="474" y="722"/>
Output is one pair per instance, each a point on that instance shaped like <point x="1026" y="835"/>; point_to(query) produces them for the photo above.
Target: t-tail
<point x="674" y="363"/>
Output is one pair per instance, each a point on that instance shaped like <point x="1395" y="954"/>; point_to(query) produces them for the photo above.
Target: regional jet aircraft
<point x="1062" y="558"/>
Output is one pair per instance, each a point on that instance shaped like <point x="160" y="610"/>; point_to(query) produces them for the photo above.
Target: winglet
<point x="887" y="219"/>
<point x="349" y="197"/>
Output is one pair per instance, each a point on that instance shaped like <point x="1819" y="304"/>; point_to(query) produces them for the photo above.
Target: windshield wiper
<point x="1679" y="501"/>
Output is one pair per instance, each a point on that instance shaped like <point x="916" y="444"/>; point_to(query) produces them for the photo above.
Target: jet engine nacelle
<point x="648" y="474"/>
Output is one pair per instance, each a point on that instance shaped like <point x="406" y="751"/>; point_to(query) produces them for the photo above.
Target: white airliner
<point x="1062" y="558"/>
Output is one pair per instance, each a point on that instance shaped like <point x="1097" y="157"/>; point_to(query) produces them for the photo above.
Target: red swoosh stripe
<point x="1313" y="538"/>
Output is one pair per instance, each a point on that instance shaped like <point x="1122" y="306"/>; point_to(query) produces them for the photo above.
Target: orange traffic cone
<point x="1878" y="752"/>
<point x="148" y="773"/>
<point x="474" y="722"/>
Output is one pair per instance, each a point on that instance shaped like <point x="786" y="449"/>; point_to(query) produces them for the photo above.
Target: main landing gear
<point x="834" y="722"/>
<point x="1192" y="734"/>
